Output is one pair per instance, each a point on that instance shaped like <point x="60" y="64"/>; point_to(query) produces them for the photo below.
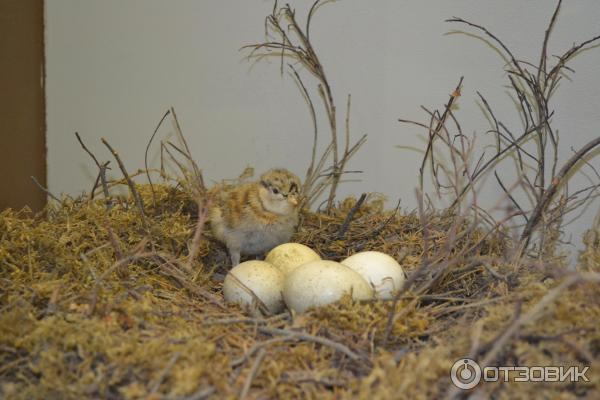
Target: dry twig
<point x="533" y="87"/>
<point x="101" y="174"/>
<point x="39" y="185"/>
<point x="253" y="372"/>
<point x="294" y="42"/>
<point x="130" y="183"/>
<point x="311" y="338"/>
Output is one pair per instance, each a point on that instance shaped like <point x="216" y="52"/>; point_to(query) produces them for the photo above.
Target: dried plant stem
<point x="147" y="151"/>
<point x="201" y="394"/>
<point x="114" y="242"/>
<point x="353" y="210"/>
<point x="313" y="116"/>
<point x="535" y="312"/>
<point x="257" y="347"/>
<point x="136" y="254"/>
<point x="436" y="131"/>
<point x="101" y="173"/>
<point x="533" y="87"/>
<point x="294" y="42"/>
<point x="246" y="320"/>
<point x="553" y="187"/>
<point x="198" y="181"/>
<point x="168" y="268"/>
<point x="130" y="183"/>
<point x="253" y="372"/>
<point x="39" y="185"/>
<point x="311" y="338"/>
<point x="118" y="265"/>
<point x="163" y="374"/>
<point x="532" y="315"/>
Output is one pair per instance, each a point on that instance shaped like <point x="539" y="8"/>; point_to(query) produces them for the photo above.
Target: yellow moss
<point x="70" y="329"/>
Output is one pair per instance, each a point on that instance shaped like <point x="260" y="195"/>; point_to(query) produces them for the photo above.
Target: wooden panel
<point x="22" y="104"/>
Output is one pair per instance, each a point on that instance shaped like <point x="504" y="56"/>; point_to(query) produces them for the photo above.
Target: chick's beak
<point x="293" y="201"/>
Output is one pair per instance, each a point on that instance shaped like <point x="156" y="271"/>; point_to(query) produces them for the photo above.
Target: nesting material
<point x="322" y="282"/>
<point x="89" y="309"/>
<point x="288" y="256"/>
<point x="381" y="271"/>
<point x="256" y="285"/>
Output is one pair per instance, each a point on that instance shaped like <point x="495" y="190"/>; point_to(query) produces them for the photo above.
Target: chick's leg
<point x="234" y="254"/>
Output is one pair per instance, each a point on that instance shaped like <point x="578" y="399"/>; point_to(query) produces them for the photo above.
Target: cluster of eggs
<point x="295" y="275"/>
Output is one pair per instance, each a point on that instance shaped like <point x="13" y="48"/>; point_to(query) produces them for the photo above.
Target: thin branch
<point x="146" y="154"/>
<point x="492" y="160"/>
<point x="514" y="61"/>
<point x="313" y="117"/>
<point x="294" y="42"/>
<point x="551" y="189"/>
<point x="512" y="199"/>
<point x="311" y="338"/>
<point x="130" y="183"/>
<point x="39" y="185"/>
<point x="101" y="173"/>
<point x="163" y="374"/>
<point x="253" y="372"/>
<point x="353" y="210"/>
<point x="543" y="56"/>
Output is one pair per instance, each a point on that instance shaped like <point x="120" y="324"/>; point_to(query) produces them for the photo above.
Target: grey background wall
<point x="114" y="67"/>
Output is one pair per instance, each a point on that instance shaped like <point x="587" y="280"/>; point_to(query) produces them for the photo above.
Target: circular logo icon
<point x="465" y="373"/>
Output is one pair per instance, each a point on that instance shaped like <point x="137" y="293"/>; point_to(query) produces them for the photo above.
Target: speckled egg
<point x="322" y="282"/>
<point x="288" y="256"/>
<point x="380" y="270"/>
<point x="254" y="277"/>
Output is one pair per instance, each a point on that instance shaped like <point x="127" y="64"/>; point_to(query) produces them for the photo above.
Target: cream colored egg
<point x="380" y="270"/>
<point x="286" y="257"/>
<point x="254" y="278"/>
<point x="322" y="282"/>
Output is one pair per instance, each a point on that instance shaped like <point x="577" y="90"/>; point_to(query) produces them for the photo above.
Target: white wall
<point x="115" y="66"/>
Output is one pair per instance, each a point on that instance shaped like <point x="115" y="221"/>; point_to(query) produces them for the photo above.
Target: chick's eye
<point x="275" y="190"/>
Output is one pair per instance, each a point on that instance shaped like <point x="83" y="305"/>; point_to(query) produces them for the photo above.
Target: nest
<point x="98" y="303"/>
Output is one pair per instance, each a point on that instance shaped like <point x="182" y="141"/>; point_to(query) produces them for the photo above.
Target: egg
<point x="322" y="282"/>
<point x="380" y="270"/>
<point x="286" y="257"/>
<point x="254" y="277"/>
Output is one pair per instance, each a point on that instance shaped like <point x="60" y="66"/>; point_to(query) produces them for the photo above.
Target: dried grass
<point x="72" y="325"/>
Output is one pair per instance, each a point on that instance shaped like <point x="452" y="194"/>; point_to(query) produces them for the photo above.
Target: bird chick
<point x="252" y="218"/>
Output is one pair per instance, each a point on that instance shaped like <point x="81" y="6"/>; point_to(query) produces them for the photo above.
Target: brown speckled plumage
<point x="252" y="218"/>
